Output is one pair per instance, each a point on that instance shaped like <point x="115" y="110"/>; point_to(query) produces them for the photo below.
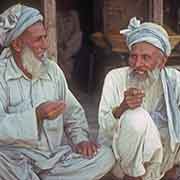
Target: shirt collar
<point x="13" y="71"/>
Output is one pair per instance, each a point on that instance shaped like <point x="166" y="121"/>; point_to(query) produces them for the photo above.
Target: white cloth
<point x="140" y="138"/>
<point x="13" y="23"/>
<point x="15" y="20"/>
<point x="147" y="32"/>
<point x="29" y="152"/>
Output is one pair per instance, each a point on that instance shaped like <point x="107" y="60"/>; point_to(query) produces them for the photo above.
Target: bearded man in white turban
<point x="139" y="115"/>
<point x="36" y="108"/>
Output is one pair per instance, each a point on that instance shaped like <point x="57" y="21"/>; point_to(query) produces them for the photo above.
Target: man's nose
<point x="44" y="43"/>
<point x="139" y="62"/>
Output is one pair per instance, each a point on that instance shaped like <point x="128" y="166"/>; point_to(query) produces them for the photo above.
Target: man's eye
<point x="146" y="57"/>
<point x="132" y="56"/>
<point x="37" y="39"/>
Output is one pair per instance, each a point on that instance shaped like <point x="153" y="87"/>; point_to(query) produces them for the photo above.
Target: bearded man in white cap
<point x="36" y="108"/>
<point x="139" y="115"/>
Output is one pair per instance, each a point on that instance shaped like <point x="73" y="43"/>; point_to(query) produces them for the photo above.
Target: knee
<point x="106" y="155"/>
<point x="135" y="120"/>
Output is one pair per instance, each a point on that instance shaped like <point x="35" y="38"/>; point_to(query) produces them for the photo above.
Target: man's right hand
<point x="133" y="98"/>
<point x="50" y="110"/>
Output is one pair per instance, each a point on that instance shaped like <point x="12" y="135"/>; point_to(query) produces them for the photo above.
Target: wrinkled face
<point x="36" y="39"/>
<point x="144" y="58"/>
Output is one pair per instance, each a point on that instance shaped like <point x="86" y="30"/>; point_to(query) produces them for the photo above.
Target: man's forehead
<point x="36" y="27"/>
<point x="144" y="46"/>
<point x="35" y="30"/>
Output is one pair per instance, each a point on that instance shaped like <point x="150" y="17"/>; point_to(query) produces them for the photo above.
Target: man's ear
<point x="163" y="62"/>
<point x="17" y="45"/>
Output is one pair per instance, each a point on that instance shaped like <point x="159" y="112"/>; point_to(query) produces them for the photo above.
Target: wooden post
<point x="49" y="7"/>
<point x="150" y="10"/>
<point x="156" y="11"/>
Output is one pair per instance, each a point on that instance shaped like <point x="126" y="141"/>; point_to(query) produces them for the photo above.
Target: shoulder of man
<point x="54" y="69"/>
<point x="118" y="72"/>
<point x="173" y="74"/>
<point x="117" y="76"/>
<point x="172" y="71"/>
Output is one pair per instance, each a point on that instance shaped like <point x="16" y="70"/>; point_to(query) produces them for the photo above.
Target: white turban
<point x="15" y="20"/>
<point x="147" y="32"/>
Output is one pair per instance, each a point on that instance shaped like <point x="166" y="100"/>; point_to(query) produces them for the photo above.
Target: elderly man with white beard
<point x="36" y="108"/>
<point x="139" y="115"/>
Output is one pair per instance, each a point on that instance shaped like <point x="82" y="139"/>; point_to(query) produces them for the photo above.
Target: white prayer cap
<point x="147" y="32"/>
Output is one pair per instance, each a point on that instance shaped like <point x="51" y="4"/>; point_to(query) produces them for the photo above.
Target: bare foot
<point x="170" y="174"/>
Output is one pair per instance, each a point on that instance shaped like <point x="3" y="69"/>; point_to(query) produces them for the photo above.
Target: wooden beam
<point x="157" y="11"/>
<point x="49" y="7"/>
<point x="150" y="10"/>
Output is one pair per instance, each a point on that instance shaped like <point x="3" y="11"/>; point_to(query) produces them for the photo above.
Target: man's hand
<point x="50" y="110"/>
<point x="133" y="98"/>
<point x="87" y="148"/>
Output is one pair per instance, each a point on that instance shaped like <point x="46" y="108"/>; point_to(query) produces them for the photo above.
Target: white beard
<point x="144" y="83"/>
<point x="36" y="67"/>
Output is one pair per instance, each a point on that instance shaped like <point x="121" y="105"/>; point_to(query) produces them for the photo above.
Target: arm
<point x="133" y="98"/>
<point x="116" y="99"/>
<point x="75" y="122"/>
<point x="119" y="110"/>
<point x="112" y="95"/>
<point x="77" y="128"/>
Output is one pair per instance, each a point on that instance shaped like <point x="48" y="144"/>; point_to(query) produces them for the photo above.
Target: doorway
<point x="90" y="21"/>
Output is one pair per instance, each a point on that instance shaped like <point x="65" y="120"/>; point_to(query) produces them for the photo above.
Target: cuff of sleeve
<point x="79" y="138"/>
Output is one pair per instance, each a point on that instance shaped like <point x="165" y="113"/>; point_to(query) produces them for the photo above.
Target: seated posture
<point x="36" y="108"/>
<point x="139" y="115"/>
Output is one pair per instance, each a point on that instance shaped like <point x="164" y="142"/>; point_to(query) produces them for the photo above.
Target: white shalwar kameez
<point x="29" y="152"/>
<point x="140" y="138"/>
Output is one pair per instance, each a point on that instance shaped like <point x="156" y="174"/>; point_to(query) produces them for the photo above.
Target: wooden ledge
<point x="117" y="41"/>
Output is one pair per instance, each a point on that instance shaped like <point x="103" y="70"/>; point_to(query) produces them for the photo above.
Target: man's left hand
<point x="87" y="148"/>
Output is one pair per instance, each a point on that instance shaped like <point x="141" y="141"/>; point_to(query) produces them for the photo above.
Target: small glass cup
<point x="134" y="82"/>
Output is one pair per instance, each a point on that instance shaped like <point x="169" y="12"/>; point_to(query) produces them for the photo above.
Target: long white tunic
<point x="149" y="147"/>
<point x="29" y="152"/>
